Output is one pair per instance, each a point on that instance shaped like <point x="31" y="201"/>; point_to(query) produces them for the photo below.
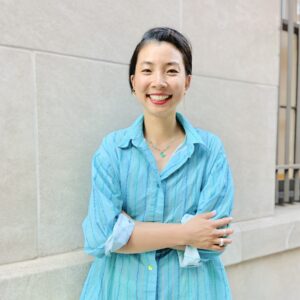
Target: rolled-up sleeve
<point x="217" y="194"/>
<point x="105" y="228"/>
<point x="190" y="256"/>
<point x="120" y="235"/>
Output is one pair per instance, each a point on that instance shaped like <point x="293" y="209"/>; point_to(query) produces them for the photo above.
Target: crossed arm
<point x="203" y="231"/>
<point x="200" y="232"/>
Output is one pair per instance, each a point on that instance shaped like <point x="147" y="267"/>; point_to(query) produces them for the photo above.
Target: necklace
<point x="162" y="152"/>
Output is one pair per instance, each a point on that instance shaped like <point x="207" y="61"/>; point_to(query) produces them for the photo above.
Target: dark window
<point x="288" y="130"/>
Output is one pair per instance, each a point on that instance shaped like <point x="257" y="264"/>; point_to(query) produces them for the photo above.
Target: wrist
<point x="182" y="236"/>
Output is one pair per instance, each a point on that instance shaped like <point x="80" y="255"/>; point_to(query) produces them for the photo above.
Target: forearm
<point x="181" y="248"/>
<point x="150" y="236"/>
<point x="199" y="232"/>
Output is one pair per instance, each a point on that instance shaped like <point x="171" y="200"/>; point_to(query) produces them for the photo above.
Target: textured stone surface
<point x="234" y="39"/>
<point x="79" y="101"/>
<point x="233" y="252"/>
<point x="56" y="277"/>
<point x="290" y="213"/>
<point x="83" y="94"/>
<point x="264" y="236"/>
<point x="294" y="236"/>
<point x="244" y="117"/>
<point x="99" y="29"/>
<point x="274" y="277"/>
<point x="18" y="196"/>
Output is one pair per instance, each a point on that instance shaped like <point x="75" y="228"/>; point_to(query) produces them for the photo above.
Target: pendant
<point x="162" y="154"/>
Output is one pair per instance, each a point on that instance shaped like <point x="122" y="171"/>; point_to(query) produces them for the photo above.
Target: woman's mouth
<point x="159" y="99"/>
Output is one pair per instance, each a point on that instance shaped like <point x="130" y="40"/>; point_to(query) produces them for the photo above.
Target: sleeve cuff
<point x="120" y="235"/>
<point x="190" y="256"/>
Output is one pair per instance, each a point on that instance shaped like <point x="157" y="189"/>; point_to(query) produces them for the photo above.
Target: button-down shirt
<point x="125" y="176"/>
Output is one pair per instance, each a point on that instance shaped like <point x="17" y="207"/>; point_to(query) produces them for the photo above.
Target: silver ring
<point x="221" y="244"/>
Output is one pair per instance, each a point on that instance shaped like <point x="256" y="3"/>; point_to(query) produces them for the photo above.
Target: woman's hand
<point x="200" y="232"/>
<point x="204" y="233"/>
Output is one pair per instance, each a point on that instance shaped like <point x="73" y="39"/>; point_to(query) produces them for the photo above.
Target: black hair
<point x="164" y="34"/>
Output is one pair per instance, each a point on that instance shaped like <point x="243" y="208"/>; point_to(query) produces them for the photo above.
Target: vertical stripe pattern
<point x="196" y="179"/>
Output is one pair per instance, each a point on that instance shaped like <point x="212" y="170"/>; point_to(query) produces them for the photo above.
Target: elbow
<point x="96" y="252"/>
<point x="94" y="244"/>
<point x="99" y="244"/>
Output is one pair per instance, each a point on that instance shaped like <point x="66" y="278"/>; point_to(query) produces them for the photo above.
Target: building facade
<point x="64" y="85"/>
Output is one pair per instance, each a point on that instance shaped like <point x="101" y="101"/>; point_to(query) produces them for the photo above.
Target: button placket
<point x="159" y="205"/>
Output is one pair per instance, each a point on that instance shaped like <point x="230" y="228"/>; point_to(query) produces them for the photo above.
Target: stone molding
<point x="265" y="236"/>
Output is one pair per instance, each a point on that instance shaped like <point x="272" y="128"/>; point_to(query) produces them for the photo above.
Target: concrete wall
<point x="273" y="277"/>
<point x="64" y="79"/>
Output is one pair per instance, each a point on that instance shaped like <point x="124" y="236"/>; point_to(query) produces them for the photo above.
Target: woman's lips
<point x="159" y="99"/>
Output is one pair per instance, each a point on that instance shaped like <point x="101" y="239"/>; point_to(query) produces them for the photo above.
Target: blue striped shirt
<point x="125" y="177"/>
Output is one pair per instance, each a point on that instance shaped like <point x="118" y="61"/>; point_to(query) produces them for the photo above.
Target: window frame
<point x="288" y="187"/>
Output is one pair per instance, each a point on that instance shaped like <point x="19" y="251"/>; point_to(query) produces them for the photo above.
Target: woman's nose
<point x="159" y="80"/>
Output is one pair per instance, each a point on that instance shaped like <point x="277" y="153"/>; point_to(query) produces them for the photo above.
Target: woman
<point x="162" y="191"/>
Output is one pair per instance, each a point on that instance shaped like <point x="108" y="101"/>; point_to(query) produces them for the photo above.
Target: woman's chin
<point x="160" y="113"/>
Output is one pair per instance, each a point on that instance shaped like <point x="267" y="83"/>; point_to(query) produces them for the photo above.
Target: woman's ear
<point x="132" y="81"/>
<point x="188" y="81"/>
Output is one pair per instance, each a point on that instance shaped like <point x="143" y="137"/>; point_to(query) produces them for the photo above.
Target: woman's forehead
<point x="154" y="52"/>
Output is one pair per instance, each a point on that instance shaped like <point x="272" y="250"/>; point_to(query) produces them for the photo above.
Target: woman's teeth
<point x="159" y="97"/>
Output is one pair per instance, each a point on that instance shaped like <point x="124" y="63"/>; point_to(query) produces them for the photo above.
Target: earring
<point x="133" y="92"/>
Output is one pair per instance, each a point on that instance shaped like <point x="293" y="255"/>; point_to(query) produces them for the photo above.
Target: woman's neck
<point x="161" y="130"/>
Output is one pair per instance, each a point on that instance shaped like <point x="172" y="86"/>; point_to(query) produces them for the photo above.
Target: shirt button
<point x="150" y="268"/>
<point x="158" y="185"/>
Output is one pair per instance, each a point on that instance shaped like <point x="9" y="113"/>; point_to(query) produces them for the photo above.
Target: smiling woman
<point x="162" y="191"/>
<point x="160" y="80"/>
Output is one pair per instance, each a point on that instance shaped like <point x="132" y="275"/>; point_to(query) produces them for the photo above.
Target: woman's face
<point x="160" y="80"/>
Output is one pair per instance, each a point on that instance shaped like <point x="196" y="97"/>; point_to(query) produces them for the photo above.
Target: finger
<point x="208" y="215"/>
<point x="222" y="222"/>
<point x="222" y="242"/>
<point x="224" y="232"/>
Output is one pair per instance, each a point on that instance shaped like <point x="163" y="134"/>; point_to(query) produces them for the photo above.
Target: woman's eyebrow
<point x="171" y="63"/>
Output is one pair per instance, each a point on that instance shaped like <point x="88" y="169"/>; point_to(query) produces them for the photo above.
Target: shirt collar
<point x="134" y="133"/>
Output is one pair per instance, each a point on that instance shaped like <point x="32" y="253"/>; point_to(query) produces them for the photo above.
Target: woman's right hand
<point x="204" y="233"/>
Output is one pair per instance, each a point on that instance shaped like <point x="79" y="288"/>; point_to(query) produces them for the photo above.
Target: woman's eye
<point x="146" y="71"/>
<point x="172" y="71"/>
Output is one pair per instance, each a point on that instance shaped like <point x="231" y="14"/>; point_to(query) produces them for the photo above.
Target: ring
<point x="221" y="244"/>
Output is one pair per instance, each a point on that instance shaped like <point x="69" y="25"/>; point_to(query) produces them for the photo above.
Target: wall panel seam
<point x="36" y="129"/>
<point x="40" y="51"/>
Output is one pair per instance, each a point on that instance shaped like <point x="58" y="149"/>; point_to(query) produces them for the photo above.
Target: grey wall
<point x="64" y="85"/>
<point x="273" y="277"/>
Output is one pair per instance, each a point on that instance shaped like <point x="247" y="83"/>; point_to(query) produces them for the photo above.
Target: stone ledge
<point x="54" y="277"/>
<point x="43" y="264"/>
<point x="265" y="236"/>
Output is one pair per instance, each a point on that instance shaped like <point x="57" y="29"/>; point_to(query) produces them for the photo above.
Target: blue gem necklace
<point x="162" y="152"/>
